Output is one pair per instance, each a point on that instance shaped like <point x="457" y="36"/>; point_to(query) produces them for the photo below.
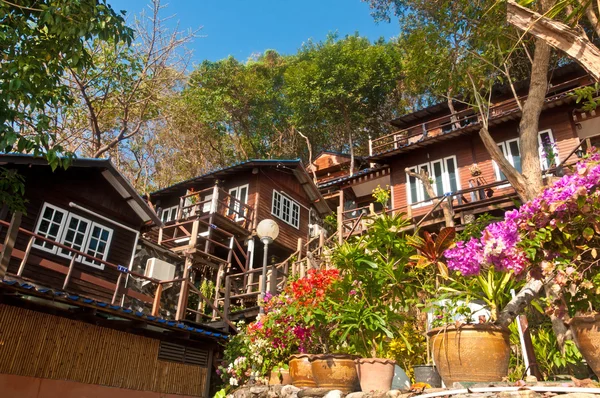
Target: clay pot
<point x="427" y="374"/>
<point x="280" y="376"/>
<point x="586" y="330"/>
<point x="301" y="371"/>
<point x="335" y="372"/>
<point x="375" y="374"/>
<point x="475" y="353"/>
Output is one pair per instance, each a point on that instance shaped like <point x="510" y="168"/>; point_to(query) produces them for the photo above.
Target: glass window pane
<point x="451" y="170"/>
<point x="515" y="155"/>
<point x="412" y="182"/>
<point x="438" y="179"/>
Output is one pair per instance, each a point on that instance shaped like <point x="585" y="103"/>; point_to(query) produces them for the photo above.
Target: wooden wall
<point x="88" y="188"/>
<point x="469" y="149"/>
<point x="41" y="345"/>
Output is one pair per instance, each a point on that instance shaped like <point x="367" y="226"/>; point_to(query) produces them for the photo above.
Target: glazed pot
<point x="301" y="371"/>
<point x="586" y="330"/>
<point x="280" y="376"/>
<point x="427" y="374"/>
<point x="470" y="353"/>
<point x="335" y="372"/>
<point x="375" y="374"/>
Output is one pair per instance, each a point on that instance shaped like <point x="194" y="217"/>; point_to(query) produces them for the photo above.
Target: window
<point x="512" y="152"/>
<point x="286" y="209"/>
<point x="183" y="354"/>
<point x="169" y="214"/>
<point x="73" y="231"/>
<point x="443" y="173"/>
<point x="241" y="194"/>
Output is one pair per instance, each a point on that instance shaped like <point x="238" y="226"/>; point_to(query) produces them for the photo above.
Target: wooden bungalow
<point x="211" y="220"/>
<point x="461" y="169"/>
<point x="75" y="319"/>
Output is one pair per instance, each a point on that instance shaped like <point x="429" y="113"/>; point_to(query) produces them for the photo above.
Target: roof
<point x="356" y="175"/>
<point x="299" y="172"/>
<point x="110" y="173"/>
<point x="123" y="312"/>
<point x="408" y="119"/>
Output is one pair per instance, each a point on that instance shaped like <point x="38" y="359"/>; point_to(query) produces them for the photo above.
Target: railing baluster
<point x="71" y="266"/>
<point x="156" y="302"/>
<point x="117" y="288"/>
<point x="26" y="256"/>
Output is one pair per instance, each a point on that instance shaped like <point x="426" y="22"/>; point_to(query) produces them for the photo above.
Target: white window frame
<point x="63" y="237"/>
<point x="291" y="205"/>
<point x="60" y="229"/>
<point x="236" y="193"/>
<point x="63" y="229"/>
<point x="445" y="180"/>
<point x="89" y="262"/>
<point x="508" y="155"/>
<point x="169" y="214"/>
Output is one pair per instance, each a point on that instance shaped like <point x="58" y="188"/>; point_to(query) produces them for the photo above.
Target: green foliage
<point x="588" y="96"/>
<point x="43" y="40"/>
<point x="382" y="196"/>
<point x="431" y="251"/>
<point x="377" y="285"/>
<point x="12" y="190"/>
<point x="330" y="222"/>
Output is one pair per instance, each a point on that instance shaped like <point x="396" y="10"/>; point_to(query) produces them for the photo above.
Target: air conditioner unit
<point x="159" y="269"/>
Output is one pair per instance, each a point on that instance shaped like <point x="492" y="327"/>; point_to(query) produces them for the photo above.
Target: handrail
<point x="195" y="193"/>
<point x="355" y="225"/>
<point x="492" y="109"/>
<point x="79" y="253"/>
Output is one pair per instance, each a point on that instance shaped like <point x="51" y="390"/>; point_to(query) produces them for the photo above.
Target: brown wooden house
<point x="75" y="319"/>
<point x="211" y="220"/>
<point x="461" y="169"/>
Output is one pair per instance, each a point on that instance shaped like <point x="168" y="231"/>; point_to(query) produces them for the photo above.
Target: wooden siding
<point x="41" y="345"/>
<point x="271" y="179"/>
<point x="469" y="149"/>
<point x="88" y="188"/>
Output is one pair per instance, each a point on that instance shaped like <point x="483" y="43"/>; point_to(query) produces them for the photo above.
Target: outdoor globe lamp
<point x="267" y="230"/>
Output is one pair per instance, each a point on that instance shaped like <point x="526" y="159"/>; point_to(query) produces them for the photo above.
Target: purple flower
<point x="352" y="292"/>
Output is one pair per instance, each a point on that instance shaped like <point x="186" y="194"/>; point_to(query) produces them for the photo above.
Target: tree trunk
<point x="573" y="42"/>
<point x="529" y="125"/>
<point x="515" y="178"/>
<point x="445" y="206"/>
<point x="530" y="291"/>
<point x="453" y="117"/>
<point x="561" y="331"/>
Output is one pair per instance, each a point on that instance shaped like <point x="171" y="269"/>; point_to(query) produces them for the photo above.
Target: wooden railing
<point x="459" y="120"/>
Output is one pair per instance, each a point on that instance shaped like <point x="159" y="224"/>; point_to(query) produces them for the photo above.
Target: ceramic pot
<point x="470" y="353"/>
<point x="427" y="374"/>
<point x="375" y="374"/>
<point x="280" y="376"/>
<point x="586" y="330"/>
<point x="301" y="371"/>
<point x="335" y="372"/>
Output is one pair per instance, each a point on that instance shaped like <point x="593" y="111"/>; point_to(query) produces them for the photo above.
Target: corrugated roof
<point x="353" y="176"/>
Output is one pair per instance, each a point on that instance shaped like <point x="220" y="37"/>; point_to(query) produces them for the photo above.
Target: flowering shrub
<point x="554" y="236"/>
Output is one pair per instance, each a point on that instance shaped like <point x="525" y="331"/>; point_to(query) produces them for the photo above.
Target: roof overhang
<point x="108" y="171"/>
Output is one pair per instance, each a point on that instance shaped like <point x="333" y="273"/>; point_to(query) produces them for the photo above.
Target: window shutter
<point x="181" y="354"/>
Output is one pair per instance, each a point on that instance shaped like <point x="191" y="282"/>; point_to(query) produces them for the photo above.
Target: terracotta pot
<point x="335" y="372"/>
<point x="476" y="353"/>
<point x="375" y="374"/>
<point x="586" y="330"/>
<point x="280" y="376"/>
<point x="301" y="371"/>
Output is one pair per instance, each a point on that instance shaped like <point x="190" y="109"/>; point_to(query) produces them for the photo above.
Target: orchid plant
<point x="554" y="237"/>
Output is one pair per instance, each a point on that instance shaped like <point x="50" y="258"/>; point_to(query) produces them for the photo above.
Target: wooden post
<point x="299" y="248"/>
<point x="156" y="302"/>
<point x="9" y="242"/>
<point x="273" y="284"/>
<point x="71" y="266"/>
<point x="227" y="299"/>
<point x="160" y="235"/>
<point x="184" y="291"/>
<point x="26" y="256"/>
<point x="180" y="209"/>
<point x="340" y="217"/>
<point x="214" y="204"/>
<point x="220" y="274"/>
<point x="117" y="288"/>
<point x="321" y="239"/>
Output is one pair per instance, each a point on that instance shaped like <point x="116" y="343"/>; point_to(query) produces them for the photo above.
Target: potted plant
<point x="553" y="240"/>
<point x="372" y="292"/>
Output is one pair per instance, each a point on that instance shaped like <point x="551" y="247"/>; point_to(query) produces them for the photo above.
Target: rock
<point x="334" y="394"/>
<point x="359" y="394"/>
<point x="579" y="395"/>
<point x="519" y="394"/>
<point x="260" y="391"/>
<point x="289" y="391"/>
<point x="395" y="394"/>
<point x="313" y="392"/>
<point x="531" y="379"/>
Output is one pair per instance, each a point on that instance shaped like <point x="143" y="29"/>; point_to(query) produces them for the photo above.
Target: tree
<point x="343" y="90"/>
<point x="41" y="41"/>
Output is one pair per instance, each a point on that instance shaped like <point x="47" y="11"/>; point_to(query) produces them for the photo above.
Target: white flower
<point x="233" y="381"/>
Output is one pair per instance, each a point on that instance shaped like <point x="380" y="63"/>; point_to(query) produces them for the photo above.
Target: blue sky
<point x="243" y="27"/>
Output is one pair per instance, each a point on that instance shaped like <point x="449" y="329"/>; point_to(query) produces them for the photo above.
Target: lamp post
<point x="267" y="230"/>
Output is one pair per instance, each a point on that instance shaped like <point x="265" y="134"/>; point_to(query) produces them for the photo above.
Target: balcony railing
<point x="214" y="200"/>
<point x="451" y="123"/>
